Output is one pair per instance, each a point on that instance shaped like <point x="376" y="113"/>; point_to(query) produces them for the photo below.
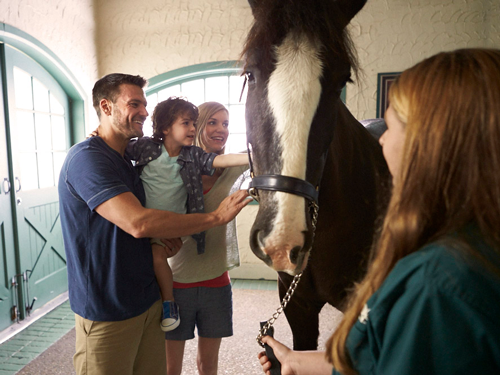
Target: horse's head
<point x="298" y="58"/>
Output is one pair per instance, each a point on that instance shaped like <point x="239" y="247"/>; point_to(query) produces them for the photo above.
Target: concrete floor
<point x="238" y="354"/>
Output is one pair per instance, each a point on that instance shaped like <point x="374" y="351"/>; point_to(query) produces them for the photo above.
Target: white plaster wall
<point x="251" y="267"/>
<point x="156" y="36"/>
<point x="66" y="27"/>
<point x="392" y="35"/>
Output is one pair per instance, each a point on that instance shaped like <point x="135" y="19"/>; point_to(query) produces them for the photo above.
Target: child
<point x="171" y="170"/>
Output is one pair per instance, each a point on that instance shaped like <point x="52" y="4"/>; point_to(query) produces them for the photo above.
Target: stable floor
<point x="46" y="347"/>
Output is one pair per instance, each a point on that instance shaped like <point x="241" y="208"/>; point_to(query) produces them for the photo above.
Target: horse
<point x="307" y="150"/>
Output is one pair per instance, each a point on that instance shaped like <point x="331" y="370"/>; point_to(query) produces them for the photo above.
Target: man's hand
<point x="172" y="246"/>
<point x="125" y="211"/>
<point x="231" y="206"/>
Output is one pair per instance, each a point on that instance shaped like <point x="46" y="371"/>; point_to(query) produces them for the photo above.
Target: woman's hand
<point x="295" y="362"/>
<point x="264" y="362"/>
<point x="282" y="354"/>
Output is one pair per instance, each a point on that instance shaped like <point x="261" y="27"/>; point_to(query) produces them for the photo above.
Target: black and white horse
<point x="298" y="57"/>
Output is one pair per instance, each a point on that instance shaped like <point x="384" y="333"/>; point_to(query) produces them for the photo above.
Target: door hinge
<point x="15" y="286"/>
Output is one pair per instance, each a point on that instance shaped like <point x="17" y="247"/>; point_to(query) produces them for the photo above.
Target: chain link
<point x="293" y="285"/>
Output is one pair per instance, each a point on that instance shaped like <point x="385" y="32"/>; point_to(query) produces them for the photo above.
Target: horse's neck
<point x="354" y="135"/>
<point x="354" y="152"/>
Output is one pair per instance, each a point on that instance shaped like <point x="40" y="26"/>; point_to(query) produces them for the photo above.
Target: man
<point x="106" y="230"/>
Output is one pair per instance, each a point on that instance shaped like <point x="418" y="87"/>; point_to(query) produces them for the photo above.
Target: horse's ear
<point x="253" y="5"/>
<point x="349" y="8"/>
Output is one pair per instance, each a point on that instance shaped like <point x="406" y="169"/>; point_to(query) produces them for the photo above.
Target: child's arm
<point x="230" y="160"/>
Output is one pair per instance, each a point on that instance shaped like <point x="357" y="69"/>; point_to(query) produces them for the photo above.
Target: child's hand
<point x="172" y="246"/>
<point x="95" y="133"/>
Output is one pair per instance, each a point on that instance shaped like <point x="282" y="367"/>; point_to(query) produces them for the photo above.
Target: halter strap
<point x="275" y="182"/>
<point x="285" y="184"/>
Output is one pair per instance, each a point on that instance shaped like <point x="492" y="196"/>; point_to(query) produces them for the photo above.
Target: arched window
<point x="219" y="82"/>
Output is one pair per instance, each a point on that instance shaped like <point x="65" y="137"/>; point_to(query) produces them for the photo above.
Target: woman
<point x="202" y="286"/>
<point x="430" y="300"/>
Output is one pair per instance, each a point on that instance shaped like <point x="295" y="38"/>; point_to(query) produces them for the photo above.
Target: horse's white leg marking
<point x="294" y="91"/>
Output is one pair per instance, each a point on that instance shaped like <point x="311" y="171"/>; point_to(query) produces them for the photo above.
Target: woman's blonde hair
<point x="449" y="173"/>
<point x="206" y="111"/>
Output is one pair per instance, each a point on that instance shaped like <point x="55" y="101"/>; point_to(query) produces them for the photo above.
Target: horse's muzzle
<point x="281" y="258"/>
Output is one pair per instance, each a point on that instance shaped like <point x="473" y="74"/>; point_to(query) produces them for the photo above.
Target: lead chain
<point x="291" y="289"/>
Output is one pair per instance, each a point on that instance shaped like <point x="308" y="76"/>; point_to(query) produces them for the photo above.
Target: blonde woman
<point x="430" y="301"/>
<point x="202" y="287"/>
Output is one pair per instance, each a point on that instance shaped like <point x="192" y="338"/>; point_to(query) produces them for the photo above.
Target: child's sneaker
<point x="171" y="319"/>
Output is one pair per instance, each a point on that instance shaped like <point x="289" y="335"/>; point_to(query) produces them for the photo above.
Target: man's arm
<point x="230" y="160"/>
<point x="126" y="212"/>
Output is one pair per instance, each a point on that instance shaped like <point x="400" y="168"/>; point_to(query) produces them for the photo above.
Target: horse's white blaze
<point x="294" y="91"/>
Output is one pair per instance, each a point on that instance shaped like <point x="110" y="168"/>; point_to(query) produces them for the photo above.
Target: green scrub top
<point x="438" y="312"/>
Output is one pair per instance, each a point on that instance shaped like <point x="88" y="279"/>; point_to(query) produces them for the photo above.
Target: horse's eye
<point x="250" y="77"/>
<point x="348" y="80"/>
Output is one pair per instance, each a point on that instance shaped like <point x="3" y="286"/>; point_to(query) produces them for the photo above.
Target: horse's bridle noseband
<point x="285" y="184"/>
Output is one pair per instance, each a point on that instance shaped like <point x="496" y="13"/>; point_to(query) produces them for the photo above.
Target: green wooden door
<point x="7" y="247"/>
<point x="38" y="111"/>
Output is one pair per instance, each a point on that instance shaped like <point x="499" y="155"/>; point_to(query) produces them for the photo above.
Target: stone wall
<point x="154" y="37"/>
<point x="161" y="35"/>
<point x="392" y="35"/>
<point x="66" y="27"/>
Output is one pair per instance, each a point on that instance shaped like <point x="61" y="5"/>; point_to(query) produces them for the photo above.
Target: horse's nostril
<point x="294" y="254"/>
<point x="260" y="239"/>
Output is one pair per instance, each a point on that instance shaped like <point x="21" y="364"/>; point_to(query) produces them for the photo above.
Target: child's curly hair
<point x="167" y="111"/>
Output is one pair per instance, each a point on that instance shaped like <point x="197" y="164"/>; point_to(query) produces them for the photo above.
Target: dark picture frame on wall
<point x="384" y="82"/>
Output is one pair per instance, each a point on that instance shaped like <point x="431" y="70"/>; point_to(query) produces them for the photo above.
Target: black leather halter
<point x="275" y="182"/>
<point x="286" y="184"/>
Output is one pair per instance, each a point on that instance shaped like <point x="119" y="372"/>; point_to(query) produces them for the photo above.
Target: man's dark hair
<point x="168" y="111"/>
<point x="108" y="87"/>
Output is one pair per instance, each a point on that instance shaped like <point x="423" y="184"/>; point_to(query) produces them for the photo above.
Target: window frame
<point x="203" y="71"/>
<point x="32" y="47"/>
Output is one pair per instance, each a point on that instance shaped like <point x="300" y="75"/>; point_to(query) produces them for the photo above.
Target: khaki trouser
<point x="134" y="346"/>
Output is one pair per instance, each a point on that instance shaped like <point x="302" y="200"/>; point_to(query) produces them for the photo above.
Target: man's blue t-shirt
<point x="110" y="273"/>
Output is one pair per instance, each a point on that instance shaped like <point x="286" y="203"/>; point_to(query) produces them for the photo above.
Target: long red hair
<point x="449" y="172"/>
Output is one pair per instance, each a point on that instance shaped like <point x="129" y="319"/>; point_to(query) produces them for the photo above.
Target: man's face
<point x="129" y="111"/>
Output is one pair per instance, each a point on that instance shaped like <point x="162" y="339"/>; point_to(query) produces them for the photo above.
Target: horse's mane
<point x="319" y="20"/>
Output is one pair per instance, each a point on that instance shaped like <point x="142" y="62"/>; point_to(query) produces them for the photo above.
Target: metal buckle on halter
<point x="252" y="191"/>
